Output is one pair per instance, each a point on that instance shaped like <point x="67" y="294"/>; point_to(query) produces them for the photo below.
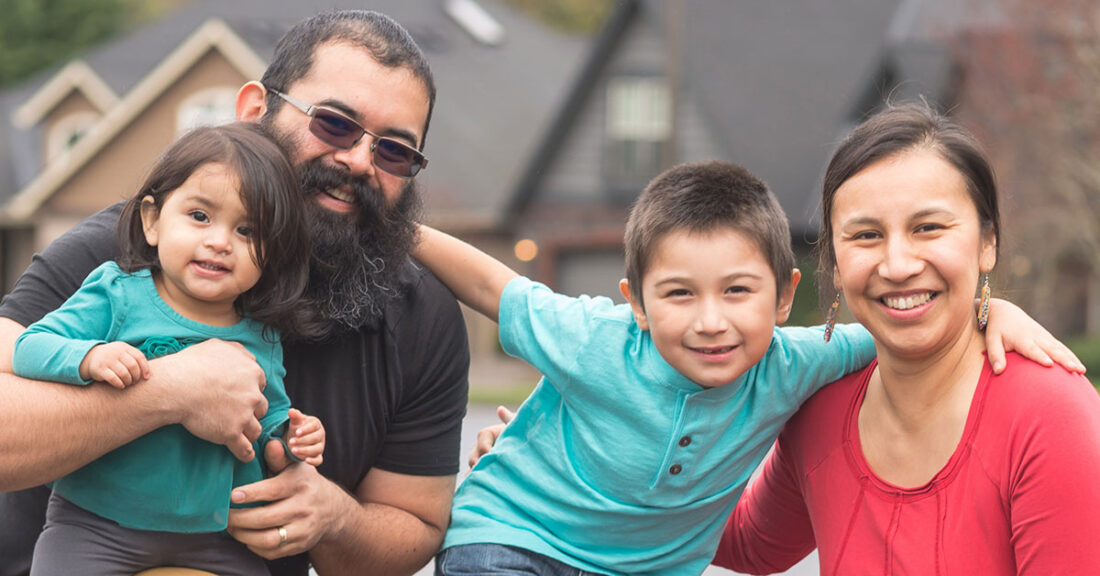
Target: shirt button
<point x="675" y="469"/>
<point x="685" y="440"/>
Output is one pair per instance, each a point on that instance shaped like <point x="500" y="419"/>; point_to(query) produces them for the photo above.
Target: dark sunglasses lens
<point x="397" y="158"/>
<point x="335" y="129"/>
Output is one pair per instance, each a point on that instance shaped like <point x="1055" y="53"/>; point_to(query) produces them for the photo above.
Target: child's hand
<point x="487" y="437"/>
<point x="1011" y="329"/>
<point x="306" y="437"/>
<point x="116" y="363"/>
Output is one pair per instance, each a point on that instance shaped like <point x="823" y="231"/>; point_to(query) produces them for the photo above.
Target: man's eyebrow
<point x="354" y="115"/>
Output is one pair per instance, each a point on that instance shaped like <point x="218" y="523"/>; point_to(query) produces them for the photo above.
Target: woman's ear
<point x="150" y="213"/>
<point x="635" y="304"/>
<point x="251" y="102"/>
<point x="987" y="260"/>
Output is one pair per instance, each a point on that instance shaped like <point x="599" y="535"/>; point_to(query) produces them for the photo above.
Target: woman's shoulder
<point x="1029" y="385"/>
<point x="1029" y="402"/>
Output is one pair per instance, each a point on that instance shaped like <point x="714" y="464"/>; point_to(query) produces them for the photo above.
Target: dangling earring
<point x="983" y="304"/>
<point x="830" y="318"/>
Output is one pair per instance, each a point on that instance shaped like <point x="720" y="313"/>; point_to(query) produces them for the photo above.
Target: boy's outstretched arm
<point x="476" y="278"/>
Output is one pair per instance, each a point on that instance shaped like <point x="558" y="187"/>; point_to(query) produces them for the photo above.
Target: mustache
<point x="315" y="177"/>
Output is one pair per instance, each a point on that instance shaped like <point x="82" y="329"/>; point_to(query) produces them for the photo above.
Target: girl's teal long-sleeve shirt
<point x="167" y="480"/>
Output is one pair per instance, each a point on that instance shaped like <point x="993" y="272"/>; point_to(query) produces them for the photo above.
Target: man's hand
<point x="302" y="504"/>
<point x="487" y="437"/>
<point x="394" y="523"/>
<point x="218" y="390"/>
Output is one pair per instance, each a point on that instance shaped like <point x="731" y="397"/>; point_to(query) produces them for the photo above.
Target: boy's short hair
<point x="703" y="197"/>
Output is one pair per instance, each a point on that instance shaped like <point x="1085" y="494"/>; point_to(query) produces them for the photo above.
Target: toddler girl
<point x="214" y="245"/>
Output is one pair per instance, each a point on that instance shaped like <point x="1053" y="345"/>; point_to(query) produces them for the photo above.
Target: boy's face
<point x="710" y="304"/>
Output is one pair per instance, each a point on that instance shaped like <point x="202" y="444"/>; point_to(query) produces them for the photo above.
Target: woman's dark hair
<point x="269" y="191"/>
<point x="899" y="128"/>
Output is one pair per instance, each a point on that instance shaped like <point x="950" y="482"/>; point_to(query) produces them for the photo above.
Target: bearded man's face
<point x="357" y="256"/>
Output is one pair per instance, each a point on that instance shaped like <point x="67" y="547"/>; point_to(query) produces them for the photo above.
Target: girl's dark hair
<point x="895" y="129"/>
<point x="269" y="191"/>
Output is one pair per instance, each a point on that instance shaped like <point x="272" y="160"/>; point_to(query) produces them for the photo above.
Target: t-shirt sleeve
<point x="274" y="391"/>
<point x="274" y="422"/>
<point x="1054" y="466"/>
<point x="770" y="529"/>
<point x="59" y="270"/>
<point x="53" y="348"/>
<point x="424" y="435"/>
<point x="546" y="329"/>
<point x="802" y="361"/>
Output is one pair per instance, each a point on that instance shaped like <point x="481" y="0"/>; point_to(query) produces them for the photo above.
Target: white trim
<point x="75" y="76"/>
<point x="214" y="33"/>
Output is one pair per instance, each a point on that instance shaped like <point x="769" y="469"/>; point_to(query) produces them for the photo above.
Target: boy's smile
<point x="710" y="304"/>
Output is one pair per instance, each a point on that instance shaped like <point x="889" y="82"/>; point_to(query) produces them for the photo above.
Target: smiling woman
<point x="926" y="461"/>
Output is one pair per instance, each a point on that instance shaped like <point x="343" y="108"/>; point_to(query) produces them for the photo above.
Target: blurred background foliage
<point x="572" y="16"/>
<point x="37" y="34"/>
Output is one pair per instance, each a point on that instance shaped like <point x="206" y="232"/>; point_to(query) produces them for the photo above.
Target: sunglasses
<point x="337" y="130"/>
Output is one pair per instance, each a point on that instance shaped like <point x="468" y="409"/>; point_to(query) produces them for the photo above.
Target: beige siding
<point x="117" y="171"/>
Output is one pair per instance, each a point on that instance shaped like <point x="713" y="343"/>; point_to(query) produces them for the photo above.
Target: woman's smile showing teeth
<point x="907" y="302"/>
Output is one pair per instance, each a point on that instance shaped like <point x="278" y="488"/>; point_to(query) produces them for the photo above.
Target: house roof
<point x="494" y="103"/>
<point x="778" y="79"/>
<point x="212" y="34"/>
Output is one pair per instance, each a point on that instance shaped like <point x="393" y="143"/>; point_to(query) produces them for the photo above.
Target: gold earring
<point x="983" y="305"/>
<point x="830" y="318"/>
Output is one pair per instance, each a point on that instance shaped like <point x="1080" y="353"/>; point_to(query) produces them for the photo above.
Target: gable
<point x="183" y="66"/>
<point x="117" y="169"/>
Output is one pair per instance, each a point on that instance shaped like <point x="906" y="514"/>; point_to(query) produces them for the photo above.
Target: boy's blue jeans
<point x="498" y="560"/>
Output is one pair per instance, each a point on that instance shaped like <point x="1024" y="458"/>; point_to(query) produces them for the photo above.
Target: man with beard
<point x="350" y="95"/>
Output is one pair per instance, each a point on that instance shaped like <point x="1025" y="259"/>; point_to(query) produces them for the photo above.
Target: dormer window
<point x="207" y="108"/>
<point x="638" y="131"/>
<point x="68" y="131"/>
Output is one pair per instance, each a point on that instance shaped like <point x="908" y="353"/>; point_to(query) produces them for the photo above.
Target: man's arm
<point x="394" y="523"/>
<point x="476" y="278"/>
<point x="48" y="430"/>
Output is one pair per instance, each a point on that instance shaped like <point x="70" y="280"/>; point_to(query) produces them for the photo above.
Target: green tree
<point x="36" y="34"/>
<point x="572" y="16"/>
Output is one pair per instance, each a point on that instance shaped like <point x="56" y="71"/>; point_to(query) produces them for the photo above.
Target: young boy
<point x="633" y="449"/>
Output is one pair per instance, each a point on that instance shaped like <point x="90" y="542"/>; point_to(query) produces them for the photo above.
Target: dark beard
<point x="357" y="258"/>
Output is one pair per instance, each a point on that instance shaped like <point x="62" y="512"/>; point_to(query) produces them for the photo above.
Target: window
<point x="207" y="108"/>
<point x="67" y="132"/>
<point x="639" y="126"/>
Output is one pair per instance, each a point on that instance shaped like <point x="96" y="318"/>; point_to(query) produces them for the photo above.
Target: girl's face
<point x="909" y="251"/>
<point x="204" y="241"/>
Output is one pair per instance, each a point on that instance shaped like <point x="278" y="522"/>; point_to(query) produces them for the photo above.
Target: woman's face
<point x="909" y="251"/>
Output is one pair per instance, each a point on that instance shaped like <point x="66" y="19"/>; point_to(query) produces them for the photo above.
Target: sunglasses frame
<point x="311" y="111"/>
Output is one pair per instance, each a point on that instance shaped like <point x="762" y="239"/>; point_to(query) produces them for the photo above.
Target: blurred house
<point x="539" y="141"/>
